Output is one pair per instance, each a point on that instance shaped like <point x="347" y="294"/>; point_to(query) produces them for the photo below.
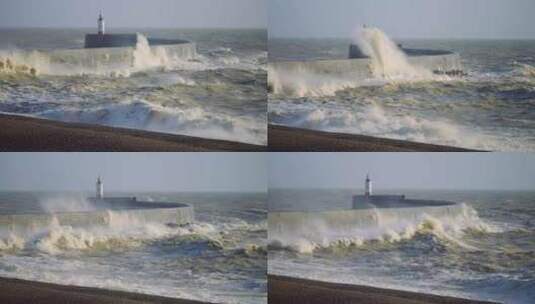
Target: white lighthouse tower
<point x="101" y="24"/>
<point x="100" y="188"/>
<point x="368" y="186"/>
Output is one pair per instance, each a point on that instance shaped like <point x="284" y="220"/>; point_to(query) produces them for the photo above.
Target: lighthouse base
<point x="123" y="40"/>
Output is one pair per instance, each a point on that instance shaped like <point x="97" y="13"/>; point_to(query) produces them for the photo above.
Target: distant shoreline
<point x="290" y="139"/>
<point x="287" y="290"/>
<point x="22" y="133"/>
<point x="15" y="291"/>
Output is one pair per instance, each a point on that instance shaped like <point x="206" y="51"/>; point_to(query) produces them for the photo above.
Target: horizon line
<point x="130" y="27"/>
<point x="401" y="188"/>
<point x="404" y="38"/>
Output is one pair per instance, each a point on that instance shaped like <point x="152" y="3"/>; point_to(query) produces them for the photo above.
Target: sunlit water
<point x="487" y="253"/>
<point x="491" y="108"/>
<point x="221" y="93"/>
<point x="220" y="258"/>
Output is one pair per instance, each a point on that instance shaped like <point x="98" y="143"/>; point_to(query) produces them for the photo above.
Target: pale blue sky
<point x="135" y="13"/>
<point x="464" y="171"/>
<point x="241" y="172"/>
<point x="403" y="18"/>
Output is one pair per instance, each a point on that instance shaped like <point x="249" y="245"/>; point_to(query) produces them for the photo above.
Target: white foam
<point x="375" y="119"/>
<point x="388" y="61"/>
<point x="303" y="83"/>
<point x="141" y="114"/>
<point x="120" y="230"/>
<point x="319" y="233"/>
<point x="66" y="204"/>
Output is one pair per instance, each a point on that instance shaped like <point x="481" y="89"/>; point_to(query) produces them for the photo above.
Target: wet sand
<point x="13" y="291"/>
<point x="288" y="139"/>
<point x="283" y="290"/>
<point x="21" y="133"/>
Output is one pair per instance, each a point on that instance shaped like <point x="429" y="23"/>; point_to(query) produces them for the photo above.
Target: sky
<point x="420" y="171"/>
<point x="135" y="13"/>
<point x="196" y="172"/>
<point x="485" y="19"/>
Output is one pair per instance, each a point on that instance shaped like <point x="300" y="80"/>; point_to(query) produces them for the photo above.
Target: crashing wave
<point x="13" y="63"/>
<point x="375" y="119"/>
<point x="141" y="114"/>
<point x="121" y="231"/>
<point x="387" y="59"/>
<point x="321" y="233"/>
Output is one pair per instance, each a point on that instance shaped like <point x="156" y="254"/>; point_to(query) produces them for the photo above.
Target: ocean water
<point x="487" y="252"/>
<point x="219" y="93"/>
<point x="490" y="109"/>
<point x="220" y="258"/>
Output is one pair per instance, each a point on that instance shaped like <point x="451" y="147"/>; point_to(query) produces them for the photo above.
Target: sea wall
<point x="393" y="201"/>
<point x="110" y="40"/>
<point x="361" y="68"/>
<point x="280" y="222"/>
<point x="124" y="40"/>
<point x="117" y="56"/>
<point x="166" y="213"/>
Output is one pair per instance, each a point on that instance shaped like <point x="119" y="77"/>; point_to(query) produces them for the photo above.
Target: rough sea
<point x="220" y="258"/>
<point x="487" y="252"/>
<point x="491" y="108"/>
<point x="218" y="93"/>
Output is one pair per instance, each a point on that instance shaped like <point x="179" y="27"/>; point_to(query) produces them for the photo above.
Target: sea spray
<point x="387" y="63"/>
<point x="66" y="204"/>
<point x="19" y="62"/>
<point x="387" y="59"/>
<point x="118" y="231"/>
<point x="302" y="82"/>
<point x="330" y="230"/>
<point x="387" y="118"/>
<point x="146" y="56"/>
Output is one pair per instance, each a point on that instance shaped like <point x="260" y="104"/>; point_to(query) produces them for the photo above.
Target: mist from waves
<point x="489" y="109"/>
<point x="221" y="257"/>
<point x="219" y="93"/>
<point x="484" y="253"/>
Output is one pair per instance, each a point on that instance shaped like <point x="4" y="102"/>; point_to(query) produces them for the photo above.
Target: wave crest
<point x="387" y="60"/>
<point x="119" y="231"/>
<point x="320" y="234"/>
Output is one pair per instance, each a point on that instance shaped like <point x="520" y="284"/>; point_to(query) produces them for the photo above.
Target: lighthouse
<point x="101" y="24"/>
<point x="100" y="189"/>
<point x="368" y="186"/>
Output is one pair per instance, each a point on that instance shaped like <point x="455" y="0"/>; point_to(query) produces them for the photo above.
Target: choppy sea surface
<point x="492" y="108"/>
<point x="487" y="252"/>
<point x="220" y="93"/>
<point x="220" y="258"/>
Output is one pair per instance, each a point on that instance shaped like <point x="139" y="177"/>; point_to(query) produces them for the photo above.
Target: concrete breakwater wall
<point x="393" y="201"/>
<point x="96" y="57"/>
<point x="123" y="40"/>
<point x="137" y="212"/>
<point x="114" y="60"/>
<point x="281" y="222"/>
<point x="361" y="68"/>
